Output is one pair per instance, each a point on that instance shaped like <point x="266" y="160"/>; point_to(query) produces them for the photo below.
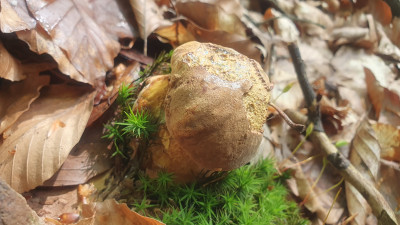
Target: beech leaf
<point x="72" y="27"/>
<point x="10" y="67"/>
<point x="15" y="16"/>
<point x="16" y="97"/>
<point x="38" y="143"/>
<point x="365" y="156"/>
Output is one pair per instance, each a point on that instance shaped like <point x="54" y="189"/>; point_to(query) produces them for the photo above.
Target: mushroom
<point x="215" y="107"/>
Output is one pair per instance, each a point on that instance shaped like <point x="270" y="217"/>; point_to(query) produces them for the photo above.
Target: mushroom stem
<point x="299" y="127"/>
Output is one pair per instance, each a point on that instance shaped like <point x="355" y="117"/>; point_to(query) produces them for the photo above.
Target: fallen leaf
<point x="115" y="17"/>
<point x="217" y="18"/>
<point x="302" y="10"/>
<point x="72" y="27"/>
<point x="10" y="68"/>
<point x="381" y="11"/>
<point x="386" y="102"/>
<point x="37" y="157"/>
<point x="88" y="158"/>
<point x="176" y="34"/>
<point x="14" y="16"/>
<point x="13" y="208"/>
<point x="41" y="43"/>
<point x="16" y="97"/>
<point x="111" y="212"/>
<point x="364" y="155"/>
<point x="389" y="140"/>
<point x="148" y="16"/>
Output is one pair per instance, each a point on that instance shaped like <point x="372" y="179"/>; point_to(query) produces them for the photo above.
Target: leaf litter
<point x="354" y="51"/>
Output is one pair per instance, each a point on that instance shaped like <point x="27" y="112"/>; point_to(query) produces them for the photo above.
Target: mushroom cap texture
<point x="216" y="104"/>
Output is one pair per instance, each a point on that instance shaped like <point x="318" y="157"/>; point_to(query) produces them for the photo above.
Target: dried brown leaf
<point x="365" y="156"/>
<point x="176" y="34"/>
<point x="72" y="27"/>
<point x="39" y="147"/>
<point x="217" y="18"/>
<point x="115" y="17"/>
<point x="111" y="212"/>
<point x="87" y="159"/>
<point x="315" y="199"/>
<point x="41" y="43"/>
<point x="10" y="68"/>
<point x="14" y="16"/>
<point x="389" y="140"/>
<point x="148" y="16"/>
<point x="16" y="97"/>
<point x="13" y="208"/>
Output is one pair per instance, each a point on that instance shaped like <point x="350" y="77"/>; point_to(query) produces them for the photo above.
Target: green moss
<point x="249" y="195"/>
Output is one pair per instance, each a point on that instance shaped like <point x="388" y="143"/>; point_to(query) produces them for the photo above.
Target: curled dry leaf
<point x="14" y="16"/>
<point x="37" y="152"/>
<point x="13" y="208"/>
<point x="72" y="27"/>
<point x="365" y="156"/>
<point x="389" y="140"/>
<point x="111" y="212"/>
<point x="16" y="97"/>
<point x="10" y="67"/>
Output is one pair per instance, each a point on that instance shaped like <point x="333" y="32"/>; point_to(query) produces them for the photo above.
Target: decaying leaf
<point x="16" y="97"/>
<point x="14" y="16"/>
<point x="13" y="208"/>
<point x="389" y="140"/>
<point x="72" y="27"/>
<point x="365" y="156"/>
<point x="38" y="152"/>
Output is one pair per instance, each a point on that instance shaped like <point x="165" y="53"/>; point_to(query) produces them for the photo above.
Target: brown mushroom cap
<point x="216" y="104"/>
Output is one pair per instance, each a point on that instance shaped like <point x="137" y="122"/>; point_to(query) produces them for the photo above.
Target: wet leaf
<point x="72" y="27"/>
<point x="16" y="97"/>
<point x="40" y="149"/>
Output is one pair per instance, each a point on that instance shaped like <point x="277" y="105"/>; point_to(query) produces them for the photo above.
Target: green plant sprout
<point x="125" y="94"/>
<point x="137" y="124"/>
<point x="252" y="194"/>
<point x="149" y="70"/>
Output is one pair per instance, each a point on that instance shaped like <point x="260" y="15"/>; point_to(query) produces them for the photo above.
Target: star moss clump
<point x="252" y="194"/>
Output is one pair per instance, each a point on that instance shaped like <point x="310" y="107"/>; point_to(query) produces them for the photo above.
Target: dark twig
<point x="380" y="207"/>
<point x="309" y="95"/>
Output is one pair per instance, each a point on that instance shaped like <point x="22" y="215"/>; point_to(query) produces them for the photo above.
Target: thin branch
<point x="309" y="95"/>
<point x="380" y="207"/>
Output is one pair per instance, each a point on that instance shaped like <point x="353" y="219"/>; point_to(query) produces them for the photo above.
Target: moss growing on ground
<point x="252" y="194"/>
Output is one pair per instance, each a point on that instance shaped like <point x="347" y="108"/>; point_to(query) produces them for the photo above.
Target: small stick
<point x="299" y="127"/>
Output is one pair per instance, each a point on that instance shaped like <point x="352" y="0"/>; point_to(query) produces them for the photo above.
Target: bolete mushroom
<point x="215" y="107"/>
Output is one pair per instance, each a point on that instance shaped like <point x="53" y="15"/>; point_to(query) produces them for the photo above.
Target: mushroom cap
<point x="216" y="104"/>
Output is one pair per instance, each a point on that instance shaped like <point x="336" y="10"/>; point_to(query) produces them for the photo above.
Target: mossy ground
<point x="252" y="194"/>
